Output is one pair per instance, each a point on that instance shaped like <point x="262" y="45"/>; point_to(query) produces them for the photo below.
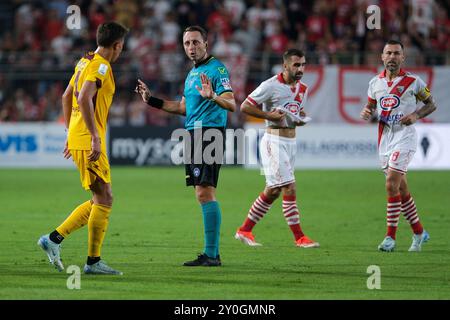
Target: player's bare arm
<point x="225" y="100"/>
<point x="428" y="107"/>
<point x="175" y="107"/>
<point x="368" y="111"/>
<point x="87" y="111"/>
<point x="67" y="112"/>
<point x="274" y="115"/>
<point x="67" y="104"/>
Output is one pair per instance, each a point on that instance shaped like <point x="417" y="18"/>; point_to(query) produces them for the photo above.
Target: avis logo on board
<point x="18" y="143"/>
<point x="390" y="102"/>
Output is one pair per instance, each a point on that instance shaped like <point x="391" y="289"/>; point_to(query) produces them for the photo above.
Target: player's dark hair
<point x="110" y="32"/>
<point x="392" y="41"/>
<point x="292" y="52"/>
<point x="202" y="31"/>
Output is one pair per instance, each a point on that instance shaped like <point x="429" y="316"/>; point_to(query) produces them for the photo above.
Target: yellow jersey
<point x="92" y="67"/>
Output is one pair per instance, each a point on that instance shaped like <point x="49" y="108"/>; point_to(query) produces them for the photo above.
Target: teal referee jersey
<point x="198" y="108"/>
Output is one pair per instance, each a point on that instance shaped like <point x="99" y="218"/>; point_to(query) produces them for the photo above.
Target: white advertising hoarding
<point x="334" y="146"/>
<point x="32" y="145"/>
<point x="433" y="150"/>
<point x="331" y="146"/>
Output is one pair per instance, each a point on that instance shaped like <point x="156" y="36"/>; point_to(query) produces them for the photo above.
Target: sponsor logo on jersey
<point x="292" y="107"/>
<point x="191" y="82"/>
<point x="391" y="119"/>
<point x="389" y="102"/>
<point x="225" y="83"/>
<point x="102" y="69"/>
<point x="222" y="70"/>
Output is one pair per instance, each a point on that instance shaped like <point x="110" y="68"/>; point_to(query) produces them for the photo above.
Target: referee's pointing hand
<point x="143" y="90"/>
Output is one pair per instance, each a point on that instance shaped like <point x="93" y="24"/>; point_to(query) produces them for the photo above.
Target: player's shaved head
<point x="110" y="32"/>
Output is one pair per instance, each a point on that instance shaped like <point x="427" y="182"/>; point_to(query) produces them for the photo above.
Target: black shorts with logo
<point x="206" y="157"/>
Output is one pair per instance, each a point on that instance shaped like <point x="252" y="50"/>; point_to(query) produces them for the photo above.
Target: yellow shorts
<point x="90" y="171"/>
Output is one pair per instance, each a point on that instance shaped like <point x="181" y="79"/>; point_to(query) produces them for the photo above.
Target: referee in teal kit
<point x="207" y="98"/>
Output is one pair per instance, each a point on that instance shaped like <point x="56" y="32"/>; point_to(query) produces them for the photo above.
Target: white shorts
<point x="397" y="160"/>
<point x="278" y="159"/>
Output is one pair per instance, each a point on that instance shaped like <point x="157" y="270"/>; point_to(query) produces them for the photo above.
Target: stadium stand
<point x="38" y="52"/>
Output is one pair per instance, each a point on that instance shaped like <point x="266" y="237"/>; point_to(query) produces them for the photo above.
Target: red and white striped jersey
<point x="395" y="99"/>
<point x="276" y="93"/>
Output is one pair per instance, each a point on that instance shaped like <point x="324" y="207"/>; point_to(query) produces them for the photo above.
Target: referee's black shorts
<point x="206" y="157"/>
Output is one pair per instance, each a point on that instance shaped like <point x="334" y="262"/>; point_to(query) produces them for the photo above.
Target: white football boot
<point x="418" y="240"/>
<point x="100" y="267"/>
<point x="388" y="244"/>
<point x="52" y="250"/>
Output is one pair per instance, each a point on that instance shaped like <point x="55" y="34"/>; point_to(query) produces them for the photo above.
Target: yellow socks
<point x="78" y="218"/>
<point x="97" y="225"/>
<point x="96" y="217"/>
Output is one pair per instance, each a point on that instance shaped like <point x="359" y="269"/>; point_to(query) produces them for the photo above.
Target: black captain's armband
<point x="155" y="102"/>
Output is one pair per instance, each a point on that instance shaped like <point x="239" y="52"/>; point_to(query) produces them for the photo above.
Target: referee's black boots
<point x="204" y="261"/>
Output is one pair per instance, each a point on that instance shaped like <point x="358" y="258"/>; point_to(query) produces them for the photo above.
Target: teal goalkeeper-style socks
<point x="212" y="218"/>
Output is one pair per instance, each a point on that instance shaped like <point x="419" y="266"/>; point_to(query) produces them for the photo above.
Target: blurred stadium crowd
<point x="38" y="52"/>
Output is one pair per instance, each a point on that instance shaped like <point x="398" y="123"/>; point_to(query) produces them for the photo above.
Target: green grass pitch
<point x="156" y="225"/>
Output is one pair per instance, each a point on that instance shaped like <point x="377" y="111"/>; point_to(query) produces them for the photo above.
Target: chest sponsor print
<point x="225" y="83"/>
<point x="389" y="102"/>
<point x="292" y="108"/>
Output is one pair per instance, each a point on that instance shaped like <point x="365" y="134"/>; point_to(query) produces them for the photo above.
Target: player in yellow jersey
<point x="86" y="102"/>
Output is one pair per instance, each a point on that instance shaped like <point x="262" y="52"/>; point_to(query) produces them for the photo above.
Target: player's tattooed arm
<point x="428" y="107"/>
<point x="368" y="110"/>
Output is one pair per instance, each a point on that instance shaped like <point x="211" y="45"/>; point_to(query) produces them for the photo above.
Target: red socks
<point x="393" y="215"/>
<point x="259" y="208"/>
<point x="290" y="212"/>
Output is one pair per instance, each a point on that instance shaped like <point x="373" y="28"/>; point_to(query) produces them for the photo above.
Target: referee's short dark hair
<point x="202" y="31"/>
<point x="110" y="32"/>
<point x="292" y="52"/>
